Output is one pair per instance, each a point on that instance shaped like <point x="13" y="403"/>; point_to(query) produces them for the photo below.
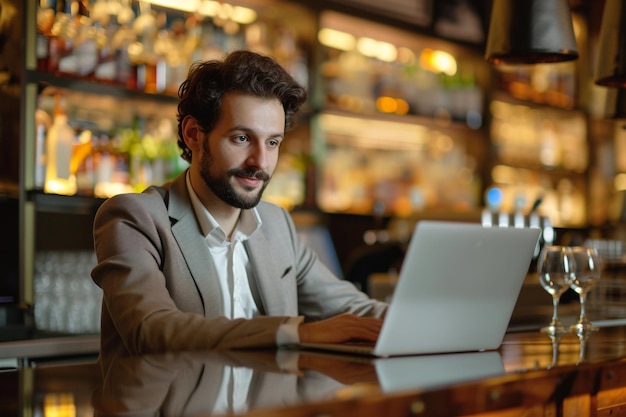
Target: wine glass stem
<point x="583" y="313"/>
<point x="555" y="310"/>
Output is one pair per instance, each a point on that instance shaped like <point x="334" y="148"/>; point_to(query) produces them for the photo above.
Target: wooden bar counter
<point x="529" y="375"/>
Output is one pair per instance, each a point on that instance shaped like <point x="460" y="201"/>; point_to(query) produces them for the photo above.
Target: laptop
<point x="456" y="290"/>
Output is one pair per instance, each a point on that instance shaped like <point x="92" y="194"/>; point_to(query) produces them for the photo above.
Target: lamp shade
<point x="611" y="62"/>
<point x="530" y="32"/>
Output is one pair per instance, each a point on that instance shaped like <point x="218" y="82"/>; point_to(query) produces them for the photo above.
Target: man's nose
<point x="258" y="157"/>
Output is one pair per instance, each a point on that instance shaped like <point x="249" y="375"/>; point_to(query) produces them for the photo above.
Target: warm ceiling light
<point x="336" y="39"/>
<point x="225" y="11"/>
<point x="366" y="46"/>
<point x="438" y="61"/>
<point x="373" y="133"/>
<point x="444" y="62"/>
<point x="185" y="6"/>
<point x="386" y="52"/>
<point x="531" y="32"/>
<point x="209" y="8"/>
<point x="611" y="63"/>
<point x="243" y="15"/>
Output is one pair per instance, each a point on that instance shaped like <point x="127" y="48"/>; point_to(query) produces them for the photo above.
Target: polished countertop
<point x="530" y="371"/>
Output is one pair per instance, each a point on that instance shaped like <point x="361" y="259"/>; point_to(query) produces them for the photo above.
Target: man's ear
<point x="192" y="135"/>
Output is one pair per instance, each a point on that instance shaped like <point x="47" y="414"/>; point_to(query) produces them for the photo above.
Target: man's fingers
<point x="341" y="328"/>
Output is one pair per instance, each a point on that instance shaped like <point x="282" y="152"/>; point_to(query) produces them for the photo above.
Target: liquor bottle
<point x="59" y="142"/>
<point x="45" y="21"/>
<point x="122" y="39"/>
<point x="43" y="121"/>
<point x="103" y="166"/>
<point x="82" y="58"/>
<point x="59" y="42"/>
<point x="82" y="164"/>
<point x="145" y="59"/>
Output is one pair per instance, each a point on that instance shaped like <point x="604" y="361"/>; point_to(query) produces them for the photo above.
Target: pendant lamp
<point x="530" y="32"/>
<point x="611" y="63"/>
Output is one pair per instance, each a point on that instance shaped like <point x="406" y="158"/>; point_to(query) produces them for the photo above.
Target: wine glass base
<point x="583" y="329"/>
<point x="554" y="329"/>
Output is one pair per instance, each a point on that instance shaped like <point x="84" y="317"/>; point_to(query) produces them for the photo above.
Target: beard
<point x="220" y="185"/>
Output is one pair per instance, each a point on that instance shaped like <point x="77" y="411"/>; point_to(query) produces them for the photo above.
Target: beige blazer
<point x="158" y="292"/>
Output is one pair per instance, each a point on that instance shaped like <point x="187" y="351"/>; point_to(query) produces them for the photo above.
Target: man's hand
<point x="340" y="329"/>
<point x="341" y="368"/>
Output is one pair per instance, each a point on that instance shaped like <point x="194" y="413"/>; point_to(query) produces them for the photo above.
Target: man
<point x="201" y="263"/>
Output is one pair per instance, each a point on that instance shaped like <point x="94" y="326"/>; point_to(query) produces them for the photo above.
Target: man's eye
<point x="273" y="143"/>
<point x="241" y="138"/>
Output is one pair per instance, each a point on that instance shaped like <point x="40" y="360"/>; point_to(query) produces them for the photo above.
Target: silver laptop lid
<point x="457" y="288"/>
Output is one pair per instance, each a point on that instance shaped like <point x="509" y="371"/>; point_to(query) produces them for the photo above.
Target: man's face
<point x="240" y="154"/>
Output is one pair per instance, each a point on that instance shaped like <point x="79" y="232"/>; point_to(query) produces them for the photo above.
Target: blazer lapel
<point x="268" y="272"/>
<point x="187" y="232"/>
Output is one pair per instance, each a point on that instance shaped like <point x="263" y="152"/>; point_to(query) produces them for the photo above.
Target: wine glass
<point x="555" y="266"/>
<point x="586" y="275"/>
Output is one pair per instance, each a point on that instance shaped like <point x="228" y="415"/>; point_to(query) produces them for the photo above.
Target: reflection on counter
<point x="223" y="382"/>
<point x="430" y="371"/>
<point x="266" y="382"/>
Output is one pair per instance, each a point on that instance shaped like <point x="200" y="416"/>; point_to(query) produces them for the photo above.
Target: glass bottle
<point x="59" y="144"/>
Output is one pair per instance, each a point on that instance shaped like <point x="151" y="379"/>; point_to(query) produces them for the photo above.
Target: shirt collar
<point x="249" y="220"/>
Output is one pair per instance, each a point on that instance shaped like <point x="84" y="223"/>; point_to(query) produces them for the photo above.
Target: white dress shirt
<point x="232" y="266"/>
<point x="230" y="259"/>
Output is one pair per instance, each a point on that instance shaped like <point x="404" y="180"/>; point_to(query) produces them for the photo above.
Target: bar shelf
<point x="63" y="82"/>
<point x="74" y="204"/>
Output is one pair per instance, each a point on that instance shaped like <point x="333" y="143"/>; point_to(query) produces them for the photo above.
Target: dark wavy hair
<point x="240" y="72"/>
